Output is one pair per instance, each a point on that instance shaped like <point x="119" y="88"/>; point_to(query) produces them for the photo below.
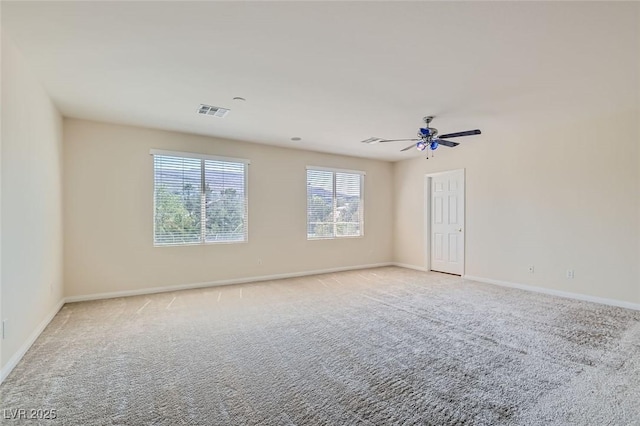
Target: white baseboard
<point x="405" y="265"/>
<point x="559" y="293"/>
<point x="125" y="293"/>
<point x="15" y="359"/>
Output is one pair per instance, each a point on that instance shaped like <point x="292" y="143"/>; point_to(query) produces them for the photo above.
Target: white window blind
<point x="226" y="204"/>
<point x="334" y="203"/>
<point x="199" y="200"/>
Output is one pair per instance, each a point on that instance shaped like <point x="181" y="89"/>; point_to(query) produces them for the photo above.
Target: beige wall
<point x="555" y="187"/>
<point x="31" y="217"/>
<point x="638" y="124"/>
<point x="109" y="213"/>
<point x="565" y="199"/>
<point x="571" y="207"/>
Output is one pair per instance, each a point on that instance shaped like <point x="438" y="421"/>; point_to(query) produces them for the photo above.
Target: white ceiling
<point x="332" y="73"/>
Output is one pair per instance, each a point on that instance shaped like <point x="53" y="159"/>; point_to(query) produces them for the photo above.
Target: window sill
<point x="213" y="243"/>
<point x="347" y="237"/>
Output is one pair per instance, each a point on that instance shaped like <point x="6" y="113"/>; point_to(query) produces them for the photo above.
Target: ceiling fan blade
<point x="413" y="145"/>
<point x="447" y="143"/>
<point x="397" y="140"/>
<point x="458" y="134"/>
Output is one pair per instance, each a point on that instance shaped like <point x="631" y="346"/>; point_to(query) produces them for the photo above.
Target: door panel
<point x="447" y="222"/>
<point x="453" y="248"/>
<point x="453" y="209"/>
<point x="437" y="246"/>
<point x="437" y="210"/>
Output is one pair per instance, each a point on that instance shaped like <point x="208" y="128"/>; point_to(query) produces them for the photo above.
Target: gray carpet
<point x="372" y="347"/>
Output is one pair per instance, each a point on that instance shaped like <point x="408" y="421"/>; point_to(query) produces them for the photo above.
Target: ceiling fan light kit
<point x="428" y="138"/>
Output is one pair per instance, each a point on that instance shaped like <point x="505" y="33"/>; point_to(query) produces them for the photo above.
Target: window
<point x="334" y="203"/>
<point x="199" y="199"/>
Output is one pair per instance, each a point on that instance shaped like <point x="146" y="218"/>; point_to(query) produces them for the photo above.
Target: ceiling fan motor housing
<point x="427" y="132"/>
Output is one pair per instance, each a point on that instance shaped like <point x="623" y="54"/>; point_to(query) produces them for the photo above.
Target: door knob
<point x="460" y="230"/>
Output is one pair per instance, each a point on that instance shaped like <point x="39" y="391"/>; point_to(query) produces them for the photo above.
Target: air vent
<point x="212" y="110"/>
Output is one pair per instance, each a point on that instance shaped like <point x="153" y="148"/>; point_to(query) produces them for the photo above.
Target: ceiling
<point x="331" y="73"/>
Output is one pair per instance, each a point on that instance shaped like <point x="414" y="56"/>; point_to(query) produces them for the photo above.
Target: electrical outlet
<point x="4" y="328"/>
<point x="570" y="273"/>
<point x="531" y="269"/>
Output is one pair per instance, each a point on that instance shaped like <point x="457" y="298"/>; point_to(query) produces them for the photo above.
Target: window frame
<point x="333" y="170"/>
<point x="203" y="231"/>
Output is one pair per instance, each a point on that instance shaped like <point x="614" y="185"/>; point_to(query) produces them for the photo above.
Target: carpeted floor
<point x="376" y="347"/>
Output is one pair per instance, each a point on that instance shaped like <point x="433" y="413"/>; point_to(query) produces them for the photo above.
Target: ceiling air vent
<point x="212" y="110"/>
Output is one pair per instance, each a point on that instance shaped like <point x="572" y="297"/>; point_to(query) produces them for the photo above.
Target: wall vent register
<point x="212" y="110"/>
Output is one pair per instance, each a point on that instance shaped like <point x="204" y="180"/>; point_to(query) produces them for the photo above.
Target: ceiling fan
<point x="428" y="138"/>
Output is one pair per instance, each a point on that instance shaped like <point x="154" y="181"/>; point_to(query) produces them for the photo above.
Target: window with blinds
<point x="334" y="203"/>
<point x="199" y="199"/>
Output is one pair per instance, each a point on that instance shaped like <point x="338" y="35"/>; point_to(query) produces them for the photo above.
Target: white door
<point x="447" y="222"/>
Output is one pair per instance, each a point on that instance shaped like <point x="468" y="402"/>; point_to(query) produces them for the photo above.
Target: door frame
<point x="428" y="238"/>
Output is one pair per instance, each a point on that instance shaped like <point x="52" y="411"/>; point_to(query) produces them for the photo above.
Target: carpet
<point x="384" y="346"/>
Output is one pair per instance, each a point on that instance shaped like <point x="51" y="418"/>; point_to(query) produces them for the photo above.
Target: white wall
<point x="565" y="199"/>
<point x="31" y="216"/>
<point x="555" y="186"/>
<point x="638" y="123"/>
<point x="109" y="213"/>
<point x="1" y="137"/>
